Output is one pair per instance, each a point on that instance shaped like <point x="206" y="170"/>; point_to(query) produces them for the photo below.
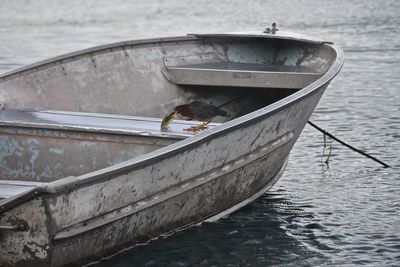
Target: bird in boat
<point x="274" y="28"/>
<point x="196" y="110"/>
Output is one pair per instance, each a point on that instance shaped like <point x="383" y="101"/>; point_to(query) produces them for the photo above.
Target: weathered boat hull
<point x="83" y="218"/>
<point x="215" y="185"/>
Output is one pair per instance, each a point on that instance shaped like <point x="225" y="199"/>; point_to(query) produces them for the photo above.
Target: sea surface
<point x="342" y="213"/>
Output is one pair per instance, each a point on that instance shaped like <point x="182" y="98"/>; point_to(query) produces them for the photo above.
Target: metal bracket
<point x="21" y="226"/>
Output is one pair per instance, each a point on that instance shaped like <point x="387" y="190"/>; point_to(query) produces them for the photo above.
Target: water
<point x="344" y="213"/>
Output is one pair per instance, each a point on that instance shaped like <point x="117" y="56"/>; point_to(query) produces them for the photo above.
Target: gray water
<point x="346" y="212"/>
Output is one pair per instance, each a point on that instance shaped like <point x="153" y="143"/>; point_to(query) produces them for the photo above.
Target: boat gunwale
<point x="73" y="182"/>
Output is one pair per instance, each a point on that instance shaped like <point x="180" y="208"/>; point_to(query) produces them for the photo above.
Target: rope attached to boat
<point x="347" y="145"/>
<point x="329" y="135"/>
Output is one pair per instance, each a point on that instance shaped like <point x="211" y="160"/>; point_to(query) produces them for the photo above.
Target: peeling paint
<point x="56" y="150"/>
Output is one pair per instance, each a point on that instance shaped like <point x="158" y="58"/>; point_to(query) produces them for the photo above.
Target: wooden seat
<point x="241" y="75"/>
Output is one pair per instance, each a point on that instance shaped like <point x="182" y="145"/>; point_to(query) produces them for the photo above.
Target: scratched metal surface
<point x="46" y="155"/>
<point x="189" y="202"/>
<point x="87" y="82"/>
<point x="87" y="220"/>
<point x="100" y="206"/>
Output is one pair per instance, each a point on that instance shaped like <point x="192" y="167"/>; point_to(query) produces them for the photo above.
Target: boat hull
<point x="82" y="218"/>
<point x="133" y="205"/>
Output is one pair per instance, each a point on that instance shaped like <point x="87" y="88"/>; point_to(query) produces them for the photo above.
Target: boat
<point x="86" y="170"/>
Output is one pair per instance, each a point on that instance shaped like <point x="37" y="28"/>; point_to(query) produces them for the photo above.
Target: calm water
<point x="344" y="213"/>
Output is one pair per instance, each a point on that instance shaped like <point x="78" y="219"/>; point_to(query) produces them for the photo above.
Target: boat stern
<point x="25" y="235"/>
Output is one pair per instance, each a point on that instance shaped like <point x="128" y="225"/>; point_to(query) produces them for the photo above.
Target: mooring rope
<point x="347" y="145"/>
<point x="325" y="134"/>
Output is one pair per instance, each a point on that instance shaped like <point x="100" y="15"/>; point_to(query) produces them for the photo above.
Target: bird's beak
<point x="166" y="120"/>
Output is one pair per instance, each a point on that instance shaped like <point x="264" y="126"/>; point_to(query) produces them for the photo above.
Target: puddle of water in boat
<point x="344" y="213"/>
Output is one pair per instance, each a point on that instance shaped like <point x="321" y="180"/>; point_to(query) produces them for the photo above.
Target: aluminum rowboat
<point x="85" y="169"/>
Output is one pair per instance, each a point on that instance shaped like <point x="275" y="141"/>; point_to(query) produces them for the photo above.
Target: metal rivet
<point x="21" y="227"/>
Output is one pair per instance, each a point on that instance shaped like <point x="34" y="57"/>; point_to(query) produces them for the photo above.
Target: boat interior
<point x="89" y="110"/>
